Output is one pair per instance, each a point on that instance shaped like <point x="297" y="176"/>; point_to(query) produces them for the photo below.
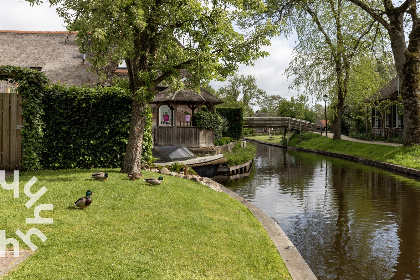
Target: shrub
<point x="204" y="119"/>
<point x="223" y="141"/>
<point x="240" y="155"/>
<point x="233" y="127"/>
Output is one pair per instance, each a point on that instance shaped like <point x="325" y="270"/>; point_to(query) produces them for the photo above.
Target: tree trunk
<point x="411" y="99"/>
<point x="132" y="159"/>
<point x="338" y="117"/>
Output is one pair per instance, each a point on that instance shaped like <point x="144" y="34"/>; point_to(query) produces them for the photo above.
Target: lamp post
<point x="326" y="121"/>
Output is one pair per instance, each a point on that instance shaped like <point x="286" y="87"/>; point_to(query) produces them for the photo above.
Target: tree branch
<point x="378" y="17"/>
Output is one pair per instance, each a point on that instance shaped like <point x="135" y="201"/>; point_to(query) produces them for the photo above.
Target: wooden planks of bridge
<point x="287" y="123"/>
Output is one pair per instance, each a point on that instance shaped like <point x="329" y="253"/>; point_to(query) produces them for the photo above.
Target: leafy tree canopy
<point x="243" y="92"/>
<point x="159" y="39"/>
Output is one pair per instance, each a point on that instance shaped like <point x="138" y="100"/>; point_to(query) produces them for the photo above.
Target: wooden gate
<point x="11" y="122"/>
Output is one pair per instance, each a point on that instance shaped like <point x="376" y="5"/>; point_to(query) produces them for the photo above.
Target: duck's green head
<point x="160" y="178"/>
<point x="89" y="193"/>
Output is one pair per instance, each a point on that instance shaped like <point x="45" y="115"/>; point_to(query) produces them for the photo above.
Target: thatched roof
<point x="387" y="92"/>
<point x="55" y="53"/>
<point x="186" y="96"/>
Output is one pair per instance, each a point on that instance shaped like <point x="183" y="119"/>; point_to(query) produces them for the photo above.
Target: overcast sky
<point x="269" y="71"/>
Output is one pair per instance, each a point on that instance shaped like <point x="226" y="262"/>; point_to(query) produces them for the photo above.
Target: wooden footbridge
<point x="288" y="124"/>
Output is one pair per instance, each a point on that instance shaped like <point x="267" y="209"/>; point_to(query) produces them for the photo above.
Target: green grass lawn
<point x="178" y="230"/>
<point x="405" y="156"/>
<point x="266" y="138"/>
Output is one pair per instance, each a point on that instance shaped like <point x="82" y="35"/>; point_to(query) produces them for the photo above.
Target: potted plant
<point x="187" y="117"/>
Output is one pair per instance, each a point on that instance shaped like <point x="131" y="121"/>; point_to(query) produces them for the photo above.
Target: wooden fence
<point x="11" y="122"/>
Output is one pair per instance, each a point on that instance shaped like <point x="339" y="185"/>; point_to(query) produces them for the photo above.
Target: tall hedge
<point x="85" y="127"/>
<point x="235" y="119"/>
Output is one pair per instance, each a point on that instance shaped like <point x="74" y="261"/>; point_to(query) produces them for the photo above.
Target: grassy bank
<point x="405" y="156"/>
<point x="178" y="230"/>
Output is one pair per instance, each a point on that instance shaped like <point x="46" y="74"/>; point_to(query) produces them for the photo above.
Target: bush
<point x="204" y="119"/>
<point x="223" y="141"/>
<point x="233" y="127"/>
<point x="374" y="137"/>
<point x="240" y="155"/>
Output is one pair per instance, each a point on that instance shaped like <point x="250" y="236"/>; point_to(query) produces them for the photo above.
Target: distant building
<point x="387" y="121"/>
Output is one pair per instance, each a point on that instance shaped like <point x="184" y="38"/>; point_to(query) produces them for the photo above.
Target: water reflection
<point x="349" y="221"/>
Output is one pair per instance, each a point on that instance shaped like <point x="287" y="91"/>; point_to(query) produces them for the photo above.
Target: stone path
<point x="9" y="261"/>
<point x="347" y="138"/>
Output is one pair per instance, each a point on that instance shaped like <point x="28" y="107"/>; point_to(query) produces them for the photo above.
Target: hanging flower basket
<point x="187" y="118"/>
<point x="166" y="118"/>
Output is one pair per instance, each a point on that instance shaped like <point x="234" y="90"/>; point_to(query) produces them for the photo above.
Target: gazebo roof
<point x="186" y="96"/>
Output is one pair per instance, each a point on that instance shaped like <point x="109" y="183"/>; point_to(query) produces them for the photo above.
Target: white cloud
<point x="19" y="15"/>
<point x="269" y="71"/>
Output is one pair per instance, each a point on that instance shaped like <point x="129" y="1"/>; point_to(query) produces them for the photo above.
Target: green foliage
<point x="233" y="127"/>
<point x="31" y="85"/>
<point x="374" y="137"/>
<point x="204" y="119"/>
<point x="296" y="138"/>
<point x="159" y="39"/>
<point x="223" y="141"/>
<point x="240" y="155"/>
<point x="241" y="92"/>
<point x="85" y="127"/>
<point x="297" y="108"/>
<point x="146" y="154"/>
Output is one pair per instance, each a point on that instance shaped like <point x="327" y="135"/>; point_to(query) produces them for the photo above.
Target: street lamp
<point x="326" y="121"/>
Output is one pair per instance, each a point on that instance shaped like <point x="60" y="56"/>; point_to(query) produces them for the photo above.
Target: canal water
<point x="348" y="220"/>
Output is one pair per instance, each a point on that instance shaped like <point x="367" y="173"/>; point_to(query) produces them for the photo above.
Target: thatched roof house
<point x="387" y="92"/>
<point x="387" y="122"/>
<point x="54" y="53"/>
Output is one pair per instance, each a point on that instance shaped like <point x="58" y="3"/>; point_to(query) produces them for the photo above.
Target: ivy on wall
<point x="31" y="85"/>
<point x="204" y="119"/>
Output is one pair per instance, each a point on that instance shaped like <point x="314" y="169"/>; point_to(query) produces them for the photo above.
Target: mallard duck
<point x="153" y="181"/>
<point x="100" y="176"/>
<point x="134" y="176"/>
<point x="85" y="201"/>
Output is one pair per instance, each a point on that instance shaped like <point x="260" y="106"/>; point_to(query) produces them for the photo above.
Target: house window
<point x="398" y="116"/>
<point x="388" y="118"/>
<point x="376" y="118"/>
<point x="165" y="115"/>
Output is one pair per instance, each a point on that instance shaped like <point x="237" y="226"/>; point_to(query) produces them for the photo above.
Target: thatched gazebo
<point x="172" y="118"/>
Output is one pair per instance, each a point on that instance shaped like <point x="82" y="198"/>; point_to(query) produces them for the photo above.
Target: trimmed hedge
<point x="85" y="127"/>
<point x="235" y="120"/>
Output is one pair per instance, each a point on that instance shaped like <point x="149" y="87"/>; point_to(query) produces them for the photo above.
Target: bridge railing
<point x="280" y="122"/>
